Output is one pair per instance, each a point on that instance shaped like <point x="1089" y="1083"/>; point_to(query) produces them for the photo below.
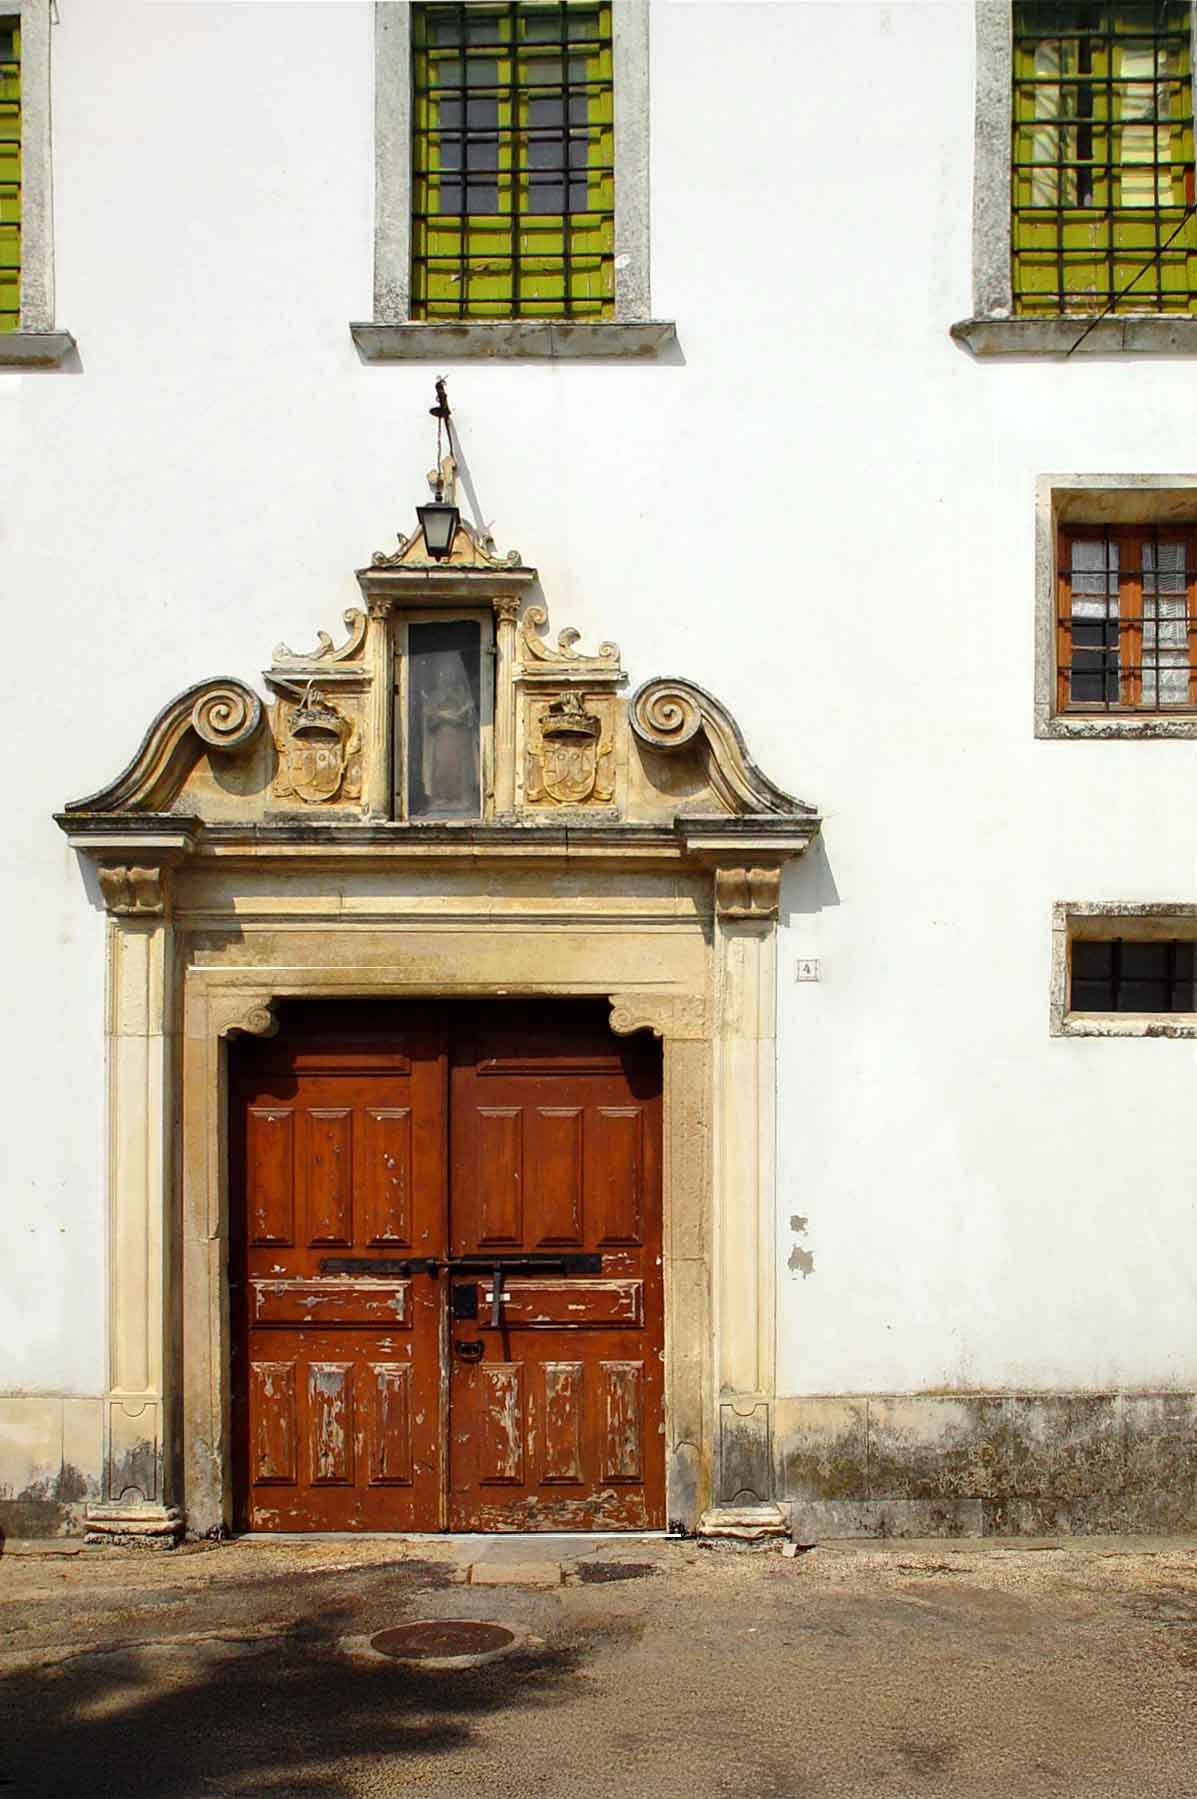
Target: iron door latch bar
<point x="570" y="1263"/>
<point x="377" y="1265"/>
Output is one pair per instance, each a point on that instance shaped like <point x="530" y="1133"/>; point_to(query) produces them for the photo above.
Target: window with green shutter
<point x="10" y="174"/>
<point x="513" y="178"/>
<point x="1102" y="170"/>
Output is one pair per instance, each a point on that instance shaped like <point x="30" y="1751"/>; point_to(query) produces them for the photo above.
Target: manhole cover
<point x="418" y="1642"/>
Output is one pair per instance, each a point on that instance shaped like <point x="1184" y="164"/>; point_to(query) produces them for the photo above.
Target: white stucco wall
<point x="985" y="1205"/>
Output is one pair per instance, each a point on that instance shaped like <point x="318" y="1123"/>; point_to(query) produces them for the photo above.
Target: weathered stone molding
<point x="512" y="340"/>
<point x="1122" y="334"/>
<point x="35" y="349"/>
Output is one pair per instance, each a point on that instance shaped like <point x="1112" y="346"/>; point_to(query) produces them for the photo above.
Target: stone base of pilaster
<point x="133" y="1526"/>
<point x="744" y="1527"/>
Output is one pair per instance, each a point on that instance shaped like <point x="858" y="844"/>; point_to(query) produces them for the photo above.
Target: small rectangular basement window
<point x="1127" y="975"/>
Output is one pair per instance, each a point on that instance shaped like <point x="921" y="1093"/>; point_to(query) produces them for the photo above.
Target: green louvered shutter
<point x="513" y="212"/>
<point x="1103" y="158"/>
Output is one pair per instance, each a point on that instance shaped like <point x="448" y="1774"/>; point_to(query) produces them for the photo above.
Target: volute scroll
<point x="222" y="714"/>
<point x="668" y="713"/>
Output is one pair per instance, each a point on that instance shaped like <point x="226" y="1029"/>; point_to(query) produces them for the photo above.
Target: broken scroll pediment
<point x="558" y="742"/>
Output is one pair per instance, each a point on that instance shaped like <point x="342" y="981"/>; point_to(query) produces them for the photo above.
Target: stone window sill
<point x="1107" y="727"/>
<point x="34" y="349"/>
<point x="1127" y="334"/>
<point x="1127" y="1024"/>
<point x="539" y="340"/>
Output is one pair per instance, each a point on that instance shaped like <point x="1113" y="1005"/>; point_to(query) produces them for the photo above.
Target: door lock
<point x="470" y="1350"/>
<point x="464" y="1299"/>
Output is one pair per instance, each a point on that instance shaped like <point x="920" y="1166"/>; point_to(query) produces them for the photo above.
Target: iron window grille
<point x="1126" y="623"/>
<point x="1120" y="975"/>
<point x="513" y="172"/>
<point x="1102" y="163"/>
<point x="10" y="174"/>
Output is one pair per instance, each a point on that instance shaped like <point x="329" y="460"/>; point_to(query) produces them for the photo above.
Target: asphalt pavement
<point x="634" y="1669"/>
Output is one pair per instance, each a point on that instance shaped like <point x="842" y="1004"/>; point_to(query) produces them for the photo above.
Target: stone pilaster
<point x="506" y="612"/>
<point x="140" y="1058"/>
<point x="379" y="768"/>
<point x="744" y="1116"/>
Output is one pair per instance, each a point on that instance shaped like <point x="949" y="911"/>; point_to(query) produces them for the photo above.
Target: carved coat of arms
<point x="319" y="753"/>
<point x="571" y="766"/>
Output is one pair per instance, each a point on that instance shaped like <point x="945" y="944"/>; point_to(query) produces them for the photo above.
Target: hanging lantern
<point x="439" y="518"/>
<point x="438" y="521"/>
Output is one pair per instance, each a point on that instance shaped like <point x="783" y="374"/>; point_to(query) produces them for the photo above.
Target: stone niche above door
<point x="445" y="800"/>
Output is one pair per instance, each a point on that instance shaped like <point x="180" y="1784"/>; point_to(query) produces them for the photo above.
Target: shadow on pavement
<point x="269" y="1717"/>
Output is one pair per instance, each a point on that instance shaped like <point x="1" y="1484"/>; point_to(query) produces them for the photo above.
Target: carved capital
<point x="380" y="605"/>
<point x="678" y="1015"/>
<point x="132" y="892"/>
<point x="747" y="892"/>
<point x="507" y="607"/>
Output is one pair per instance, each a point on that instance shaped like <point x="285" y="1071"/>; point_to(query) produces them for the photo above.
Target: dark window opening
<point x="1121" y="975"/>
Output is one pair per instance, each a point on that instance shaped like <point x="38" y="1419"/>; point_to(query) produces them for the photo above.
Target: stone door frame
<point x="698" y="969"/>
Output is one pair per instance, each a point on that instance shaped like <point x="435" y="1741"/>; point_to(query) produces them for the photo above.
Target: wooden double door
<point x="445" y="1267"/>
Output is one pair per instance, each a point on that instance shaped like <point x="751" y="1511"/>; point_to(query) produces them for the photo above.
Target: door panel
<point x="557" y="1411"/>
<point x="374" y="1146"/>
<point x="338" y="1407"/>
<point x="386" y="1176"/>
<point x="558" y="1304"/>
<point x="381" y="1304"/>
